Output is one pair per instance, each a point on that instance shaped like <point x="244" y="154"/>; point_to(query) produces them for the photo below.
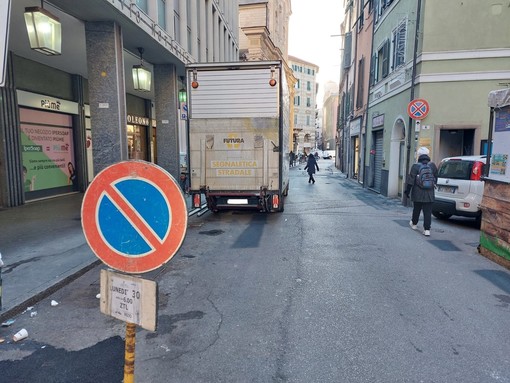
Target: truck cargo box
<point x="238" y="120"/>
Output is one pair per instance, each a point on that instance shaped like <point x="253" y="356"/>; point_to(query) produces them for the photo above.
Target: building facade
<point x="305" y="104"/>
<point x="415" y="57"/>
<point x="64" y="118"/>
<point x="329" y="117"/>
<point x="264" y="35"/>
<point x="357" y="51"/>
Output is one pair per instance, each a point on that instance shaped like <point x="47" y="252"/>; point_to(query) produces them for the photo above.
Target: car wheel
<point x="440" y="215"/>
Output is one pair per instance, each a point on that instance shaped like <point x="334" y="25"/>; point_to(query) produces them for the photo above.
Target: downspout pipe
<point x="410" y="134"/>
<point x="365" y="171"/>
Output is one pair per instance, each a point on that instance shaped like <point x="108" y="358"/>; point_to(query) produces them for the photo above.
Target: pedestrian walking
<point x="292" y="158"/>
<point x="420" y="188"/>
<point x="311" y="164"/>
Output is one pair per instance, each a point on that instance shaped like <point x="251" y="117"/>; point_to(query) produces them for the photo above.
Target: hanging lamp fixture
<point x="141" y="76"/>
<point x="44" y="31"/>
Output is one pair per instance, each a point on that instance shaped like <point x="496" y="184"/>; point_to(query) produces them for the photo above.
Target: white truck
<point x="239" y="131"/>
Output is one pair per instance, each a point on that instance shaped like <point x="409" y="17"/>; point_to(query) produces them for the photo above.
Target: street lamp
<point x="141" y="76"/>
<point x="44" y="31"/>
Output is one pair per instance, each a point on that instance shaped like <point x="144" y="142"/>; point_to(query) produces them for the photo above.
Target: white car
<point x="328" y="154"/>
<point x="459" y="188"/>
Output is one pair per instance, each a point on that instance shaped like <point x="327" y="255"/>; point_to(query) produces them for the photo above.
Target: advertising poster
<point x="501" y="146"/>
<point x="47" y="154"/>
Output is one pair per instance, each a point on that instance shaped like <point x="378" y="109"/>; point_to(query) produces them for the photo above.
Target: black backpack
<point x="425" y="177"/>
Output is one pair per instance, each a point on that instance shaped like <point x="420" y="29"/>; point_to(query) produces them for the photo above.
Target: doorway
<point x="457" y="142"/>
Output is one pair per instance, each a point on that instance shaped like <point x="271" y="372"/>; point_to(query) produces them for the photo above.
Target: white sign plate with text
<point x="130" y="299"/>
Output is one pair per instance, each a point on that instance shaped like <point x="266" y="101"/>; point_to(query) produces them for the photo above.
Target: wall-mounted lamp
<point x="194" y="83"/>
<point x="272" y="81"/>
<point x="182" y="95"/>
<point x="44" y="31"/>
<point x="141" y="76"/>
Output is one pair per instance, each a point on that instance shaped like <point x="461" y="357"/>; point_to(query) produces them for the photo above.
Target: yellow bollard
<point x="129" y="356"/>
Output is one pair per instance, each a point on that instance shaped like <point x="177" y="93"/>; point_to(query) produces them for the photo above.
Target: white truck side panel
<point x="234" y="93"/>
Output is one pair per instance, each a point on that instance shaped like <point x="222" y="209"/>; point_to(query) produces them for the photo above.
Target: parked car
<point x="327" y="154"/>
<point x="459" y="188"/>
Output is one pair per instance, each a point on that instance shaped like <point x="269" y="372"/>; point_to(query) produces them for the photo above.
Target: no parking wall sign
<point x="134" y="216"/>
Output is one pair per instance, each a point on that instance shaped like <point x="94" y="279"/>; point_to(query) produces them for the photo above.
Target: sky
<point x="310" y="28"/>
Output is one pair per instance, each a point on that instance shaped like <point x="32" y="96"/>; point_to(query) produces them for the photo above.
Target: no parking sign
<point x="418" y="109"/>
<point x="134" y="216"/>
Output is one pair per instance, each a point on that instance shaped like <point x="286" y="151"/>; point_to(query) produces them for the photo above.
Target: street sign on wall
<point x="134" y="216"/>
<point x="418" y="109"/>
<point x="5" y="7"/>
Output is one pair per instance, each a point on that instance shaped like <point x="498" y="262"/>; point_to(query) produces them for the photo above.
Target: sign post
<point x="134" y="218"/>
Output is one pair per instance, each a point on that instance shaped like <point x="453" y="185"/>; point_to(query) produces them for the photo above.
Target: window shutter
<point x="401" y="45"/>
<point x="347" y="50"/>
<point x="361" y="72"/>
<point x="386" y="59"/>
<point x="372" y="71"/>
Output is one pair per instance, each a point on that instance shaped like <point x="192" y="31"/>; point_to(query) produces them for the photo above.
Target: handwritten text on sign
<point x="130" y="299"/>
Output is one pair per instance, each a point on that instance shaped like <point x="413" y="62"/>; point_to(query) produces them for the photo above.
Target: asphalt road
<point x="337" y="288"/>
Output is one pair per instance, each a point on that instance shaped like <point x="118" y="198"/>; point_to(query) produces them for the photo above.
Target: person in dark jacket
<point x="311" y="164"/>
<point x="422" y="198"/>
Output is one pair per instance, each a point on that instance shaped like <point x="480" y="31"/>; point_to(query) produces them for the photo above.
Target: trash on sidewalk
<point x="33" y="314"/>
<point x="2" y="340"/>
<point x="21" y="334"/>
<point x="8" y="322"/>
<point x="54" y="303"/>
<point x="98" y="296"/>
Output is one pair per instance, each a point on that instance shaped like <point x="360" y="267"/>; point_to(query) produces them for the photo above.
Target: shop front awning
<point x="499" y="98"/>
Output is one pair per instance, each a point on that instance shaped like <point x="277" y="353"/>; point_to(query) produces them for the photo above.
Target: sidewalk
<point x="43" y="248"/>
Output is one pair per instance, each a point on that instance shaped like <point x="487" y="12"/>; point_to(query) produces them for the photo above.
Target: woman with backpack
<point x="420" y="188"/>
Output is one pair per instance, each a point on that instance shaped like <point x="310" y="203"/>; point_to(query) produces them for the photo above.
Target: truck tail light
<point x="476" y="173"/>
<point x="276" y="201"/>
<point x="196" y="200"/>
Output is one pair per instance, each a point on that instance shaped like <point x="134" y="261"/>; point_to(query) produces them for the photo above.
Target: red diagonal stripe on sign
<point x="138" y="223"/>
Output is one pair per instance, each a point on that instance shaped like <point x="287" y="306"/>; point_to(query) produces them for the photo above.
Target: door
<point x="378" y="139"/>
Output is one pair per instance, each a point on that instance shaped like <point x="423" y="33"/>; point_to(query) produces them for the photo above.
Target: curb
<point x="20" y="307"/>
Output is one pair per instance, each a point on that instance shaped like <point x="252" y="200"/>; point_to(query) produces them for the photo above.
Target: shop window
<point x="137" y="142"/>
<point x="47" y="152"/>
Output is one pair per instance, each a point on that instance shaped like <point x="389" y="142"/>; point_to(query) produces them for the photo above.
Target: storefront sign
<point x="39" y="101"/>
<point x="378" y="121"/>
<point x="138" y="120"/>
<point x="355" y="126"/>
